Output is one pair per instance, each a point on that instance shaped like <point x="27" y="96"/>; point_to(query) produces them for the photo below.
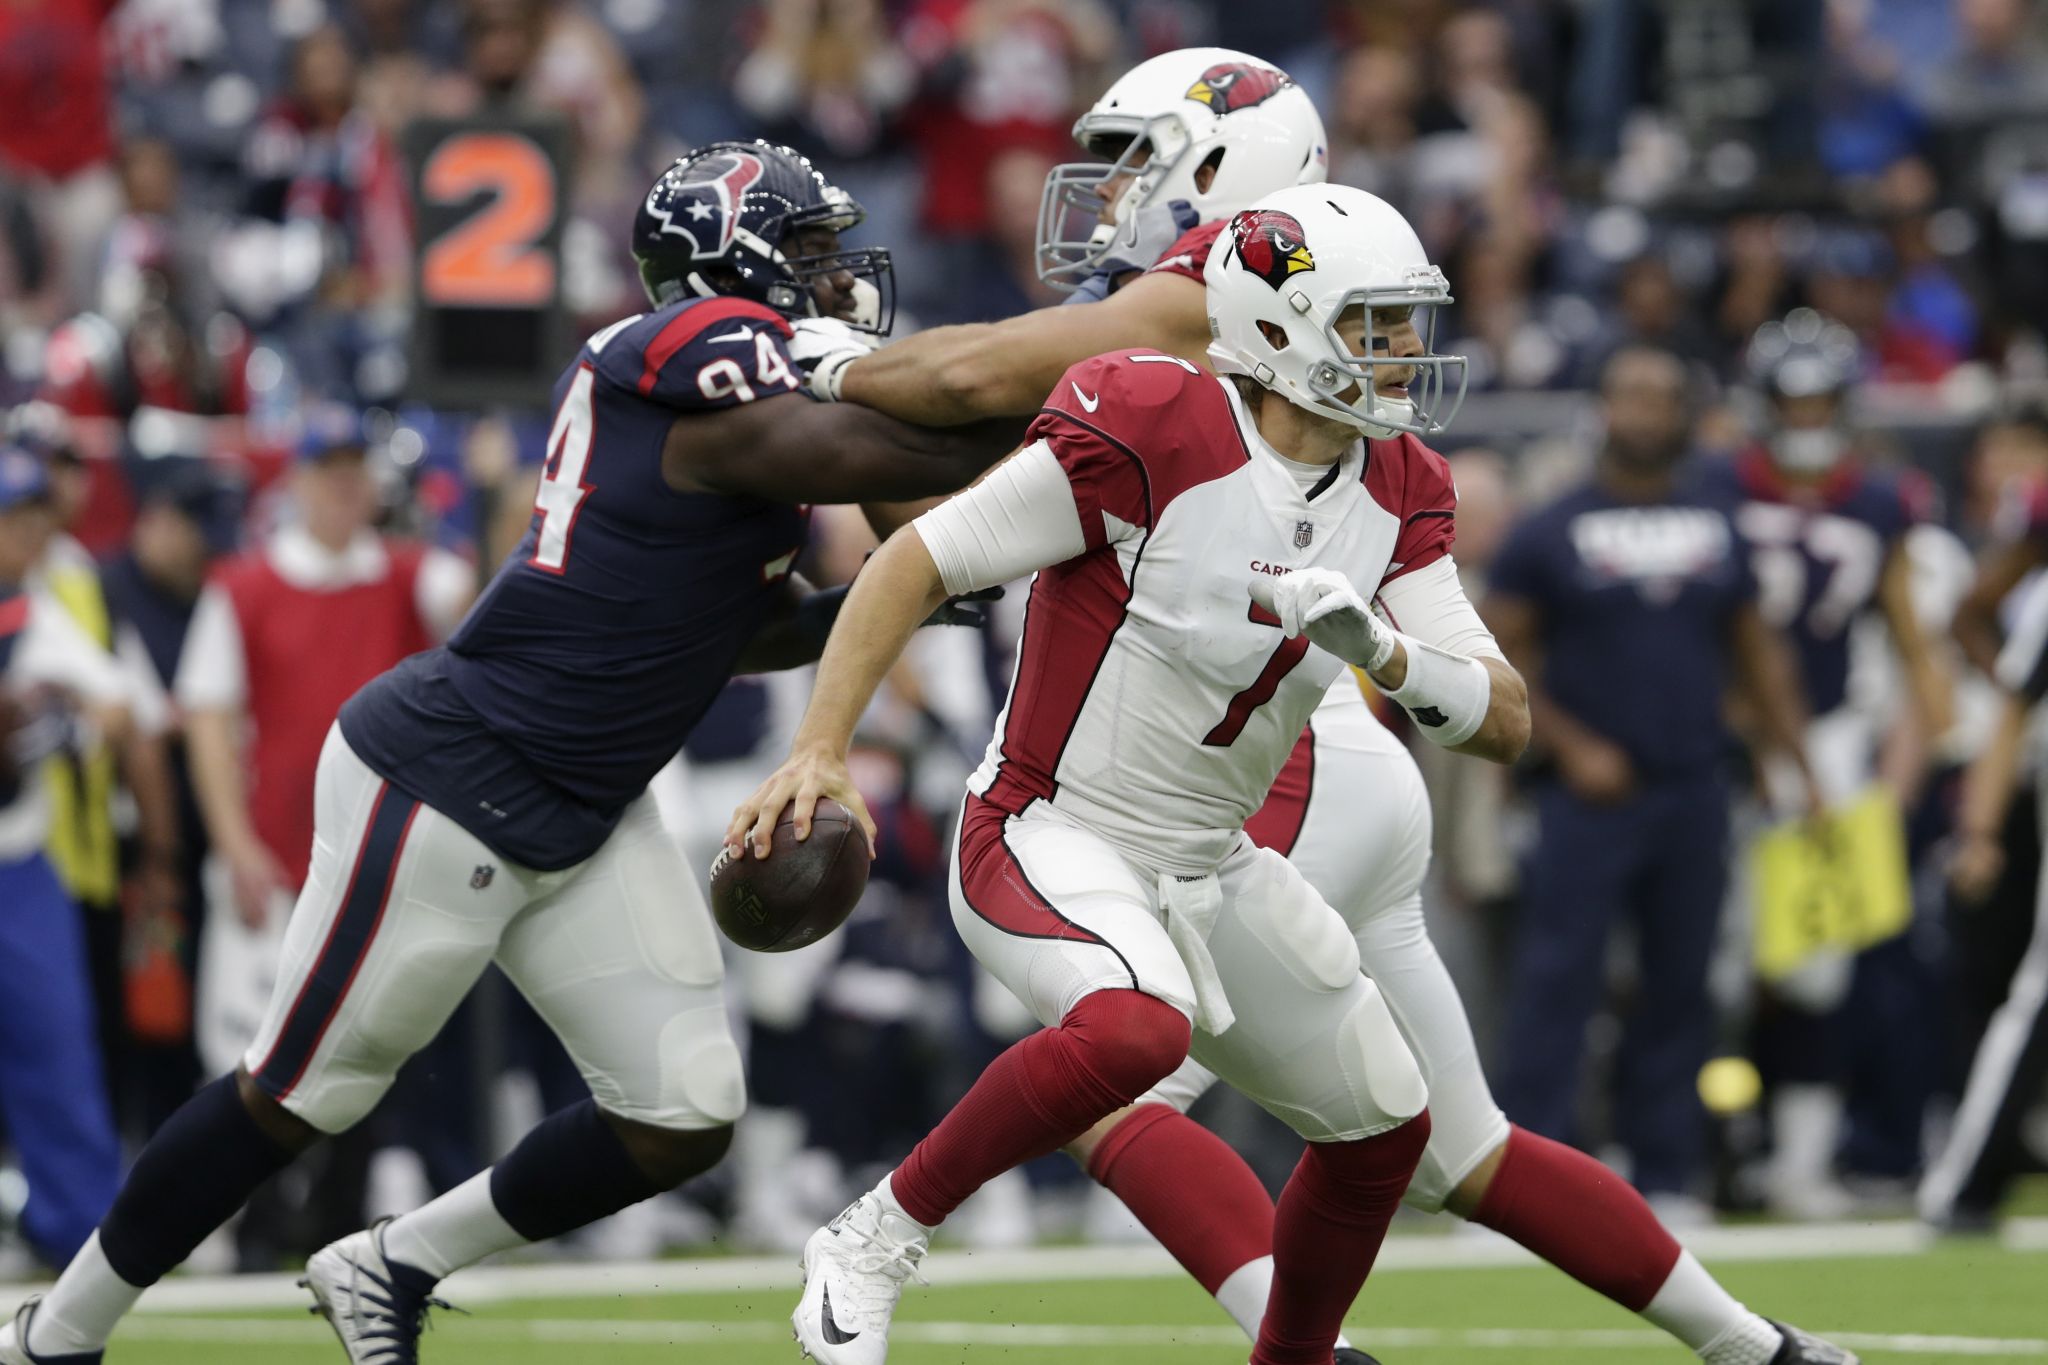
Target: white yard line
<point x="599" y="1332"/>
<point x="1467" y="1248"/>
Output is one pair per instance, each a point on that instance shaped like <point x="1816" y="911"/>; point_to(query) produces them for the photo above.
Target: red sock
<point x="1042" y="1094"/>
<point x="1333" y="1216"/>
<point x="1189" y="1189"/>
<point x="1581" y="1217"/>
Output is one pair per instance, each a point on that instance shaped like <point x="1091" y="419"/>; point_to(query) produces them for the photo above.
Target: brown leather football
<point x="801" y="891"/>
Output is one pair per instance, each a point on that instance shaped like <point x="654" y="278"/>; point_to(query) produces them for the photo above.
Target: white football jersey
<point x="1153" y="702"/>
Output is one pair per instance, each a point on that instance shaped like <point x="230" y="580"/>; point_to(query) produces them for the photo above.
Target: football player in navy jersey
<point x="1827" y="538"/>
<point x="485" y="801"/>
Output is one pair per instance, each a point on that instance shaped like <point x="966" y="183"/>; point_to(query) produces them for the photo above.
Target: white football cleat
<point x="14" y="1343"/>
<point x="378" y="1312"/>
<point x="854" y="1269"/>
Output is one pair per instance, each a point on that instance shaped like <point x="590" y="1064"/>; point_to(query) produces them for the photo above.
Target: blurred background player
<point x="1827" y="535"/>
<point x="457" y="793"/>
<point x="1637" y="574"/>
<point x="1261" y="128"/>
<point x="55" y="680"/>
<point x="1967" y="1184"/>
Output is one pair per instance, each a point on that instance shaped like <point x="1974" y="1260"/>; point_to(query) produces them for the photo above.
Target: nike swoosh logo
<point x="833" y="1333"/>
<point x="1091" y="404"/>
<point x="743" y="334"/>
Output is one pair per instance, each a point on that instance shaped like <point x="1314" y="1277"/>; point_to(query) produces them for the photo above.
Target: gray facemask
<point x="1809" y="450"/>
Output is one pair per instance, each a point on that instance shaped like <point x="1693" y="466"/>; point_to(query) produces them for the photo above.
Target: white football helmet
<point x="1176" y="113"/>
<point x="1285" y="270"/>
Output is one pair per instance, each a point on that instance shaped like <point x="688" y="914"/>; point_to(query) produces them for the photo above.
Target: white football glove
<point x="1322" y="604"/>
<point x="822" y="348"/>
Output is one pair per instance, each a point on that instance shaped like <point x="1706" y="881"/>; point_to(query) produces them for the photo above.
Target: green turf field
<point x="1959" y="1302"/>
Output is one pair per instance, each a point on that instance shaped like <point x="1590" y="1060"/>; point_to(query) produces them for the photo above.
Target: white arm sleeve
<point x="1430" y="604"/>
<point x="1016" y="521"/>
<point x="212" y="672"/>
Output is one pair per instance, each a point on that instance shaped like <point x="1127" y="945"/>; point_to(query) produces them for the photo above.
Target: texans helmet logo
<point x="1230" y="86"/>
<point x="1271" y="244"/>
<point x="703" y="202"/>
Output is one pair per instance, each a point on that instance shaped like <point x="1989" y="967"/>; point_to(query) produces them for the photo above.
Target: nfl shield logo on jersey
<point x="481" y="878"/>
<point x="1304" y="532"/>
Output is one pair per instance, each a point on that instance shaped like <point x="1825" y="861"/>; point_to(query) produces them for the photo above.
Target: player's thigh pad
<point x="1314" y="1043"/>
<point x="1054" y="913"/>
<point x="1465" y="1123"/>
<point x="1364" y="841"/>
<point x="622" y="961"/>
<point x="401" y="911"/>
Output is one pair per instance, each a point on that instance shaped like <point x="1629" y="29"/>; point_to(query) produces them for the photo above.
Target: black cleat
<point x="1803" y="1348"/>
<point x="1351" y="1355"/>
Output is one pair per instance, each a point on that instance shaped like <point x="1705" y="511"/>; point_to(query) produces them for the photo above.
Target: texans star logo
<point x="703" y="204"/>
<point x="1230" y="86"/>
<point x="1271" y="245"/>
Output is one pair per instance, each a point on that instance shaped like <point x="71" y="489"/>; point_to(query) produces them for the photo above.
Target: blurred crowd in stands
<point x="207" y="266"/>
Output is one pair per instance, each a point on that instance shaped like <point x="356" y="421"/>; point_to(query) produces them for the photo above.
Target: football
<point x="801" y="891"/>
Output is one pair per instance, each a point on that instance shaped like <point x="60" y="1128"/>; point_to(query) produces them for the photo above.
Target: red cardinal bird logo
<point x="1271" y="245"/>
<point x="1229" y="86"/>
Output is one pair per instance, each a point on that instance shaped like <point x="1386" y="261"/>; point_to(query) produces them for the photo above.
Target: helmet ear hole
<point x="1206" y="173"/>
<point x="1275" y="335"/>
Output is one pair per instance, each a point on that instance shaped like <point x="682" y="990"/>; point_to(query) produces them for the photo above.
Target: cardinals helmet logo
<point x="1271" y="245"/>
<point x="705" y="207"/>
<point x="1230" y="86"/>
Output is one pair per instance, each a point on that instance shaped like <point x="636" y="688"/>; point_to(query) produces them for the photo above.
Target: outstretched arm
<point x="1018" y="520"/>
<point x="951" y="375"/>
<point x="793" y="449"/>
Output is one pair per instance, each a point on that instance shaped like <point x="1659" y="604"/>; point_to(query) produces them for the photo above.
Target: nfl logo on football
<point x="481" y="878"/>
<point x="1304" y="532"/>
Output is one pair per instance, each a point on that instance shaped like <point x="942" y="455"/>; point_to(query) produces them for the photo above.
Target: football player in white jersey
<point x="1204" y="550"/>
<point x="1348" y="809"/>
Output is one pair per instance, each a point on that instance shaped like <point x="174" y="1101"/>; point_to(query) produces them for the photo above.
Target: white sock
<point x="82" y="1311"/>
<point x="1693" y="1307"/>
<point x="460" y="1228"/>
<point x="885" y="1194"/>
<point x="1244" y="1294"/>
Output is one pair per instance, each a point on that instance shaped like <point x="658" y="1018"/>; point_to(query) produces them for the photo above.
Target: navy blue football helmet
<point x="719" y="221"/>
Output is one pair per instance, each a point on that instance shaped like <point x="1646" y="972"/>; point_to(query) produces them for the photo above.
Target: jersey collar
<point x="308" y="565"/>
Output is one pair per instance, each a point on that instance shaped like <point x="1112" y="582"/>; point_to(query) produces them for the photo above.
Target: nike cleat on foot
<point x="376" y="1306"/>
<point x="854" y="1271"/>
<point x="1351" y="1355"/>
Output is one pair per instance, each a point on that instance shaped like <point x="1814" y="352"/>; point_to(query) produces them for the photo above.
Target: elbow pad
<point x="1447" y="694"/>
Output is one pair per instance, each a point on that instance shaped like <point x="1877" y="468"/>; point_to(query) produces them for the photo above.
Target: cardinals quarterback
<point x="1200" y="546"/>
<point x="1178" y="157"/>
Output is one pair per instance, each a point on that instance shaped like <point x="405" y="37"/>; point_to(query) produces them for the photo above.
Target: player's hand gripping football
<point x="1322" y="604"/>
<point x="804" y="777"/>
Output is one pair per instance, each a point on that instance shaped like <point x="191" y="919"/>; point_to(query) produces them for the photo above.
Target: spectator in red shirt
<point x="55" y="129"/>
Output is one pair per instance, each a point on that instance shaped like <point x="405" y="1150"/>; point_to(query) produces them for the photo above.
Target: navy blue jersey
<point x="604" y="637"/>
<point x="1818" y="557"/>
<point x="1636" y="601"/>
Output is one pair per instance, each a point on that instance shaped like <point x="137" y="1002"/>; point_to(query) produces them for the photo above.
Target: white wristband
<point x="1447" y="694"/>
<point x="829" y="374"/>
